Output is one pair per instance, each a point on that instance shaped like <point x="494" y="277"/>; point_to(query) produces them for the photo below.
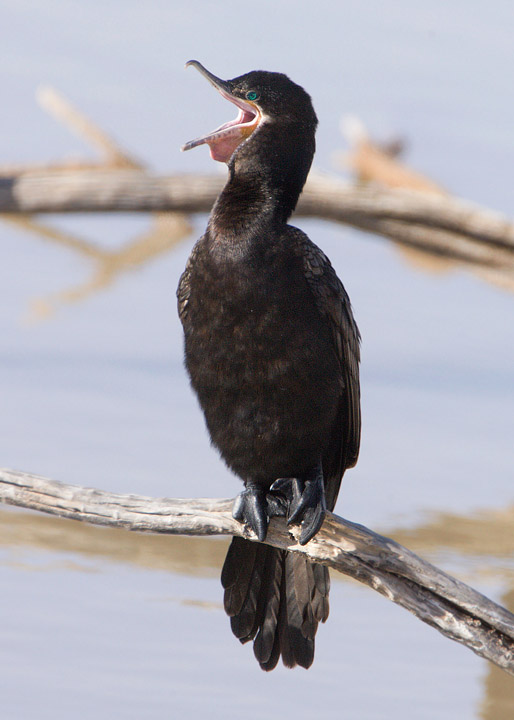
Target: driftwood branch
<point x="405" y="206"/>
<point x="442" y="225"/>
<point x="450" y="606"/>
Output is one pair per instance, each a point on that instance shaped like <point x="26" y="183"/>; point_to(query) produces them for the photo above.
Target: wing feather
<point x="184" y="285"/>
<point x="334" y="307"/>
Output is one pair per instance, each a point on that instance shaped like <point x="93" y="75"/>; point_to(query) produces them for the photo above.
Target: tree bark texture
<point x="445" y="603"/>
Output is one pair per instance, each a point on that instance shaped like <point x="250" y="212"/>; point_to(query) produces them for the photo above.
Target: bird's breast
<point x="262" y="363"/>
<point x="255" y="325"/>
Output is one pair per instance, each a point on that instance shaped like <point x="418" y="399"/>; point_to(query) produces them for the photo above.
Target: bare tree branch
<point x="442" y="225"/>
<point x="450" y="606"/>
<point x="414" y="212"/>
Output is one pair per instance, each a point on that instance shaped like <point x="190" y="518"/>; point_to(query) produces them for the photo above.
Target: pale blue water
<point x="97" y="394"/>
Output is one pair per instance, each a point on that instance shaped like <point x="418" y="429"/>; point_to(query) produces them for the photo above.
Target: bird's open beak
<point x="225" y="139"/>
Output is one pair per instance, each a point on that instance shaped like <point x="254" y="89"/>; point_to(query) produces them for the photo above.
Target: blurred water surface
<point x="99" y="623"/>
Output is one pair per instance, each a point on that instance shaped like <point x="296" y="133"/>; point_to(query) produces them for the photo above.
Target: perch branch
<point x="450" y="606"/>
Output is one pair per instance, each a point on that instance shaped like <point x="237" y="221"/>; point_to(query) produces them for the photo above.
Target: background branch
<point x="453" y="608"/>
<point x="398" y="202"/>
<point x="166" y="229"/>
<point x="442" y="225"/>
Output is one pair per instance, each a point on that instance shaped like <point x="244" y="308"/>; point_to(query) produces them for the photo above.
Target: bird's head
<point x="263" y="99"/>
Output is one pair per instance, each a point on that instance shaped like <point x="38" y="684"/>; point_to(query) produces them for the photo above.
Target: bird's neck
<point x="266" y="177"/>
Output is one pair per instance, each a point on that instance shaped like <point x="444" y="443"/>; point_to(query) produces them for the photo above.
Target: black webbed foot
<point x="255" y="507"/>
<point x="277" y="505"/>
<point x="250" y="507"/>
<point x="306" y="499"/>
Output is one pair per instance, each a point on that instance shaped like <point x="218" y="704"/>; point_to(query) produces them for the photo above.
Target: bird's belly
<point x="267" y="379"/>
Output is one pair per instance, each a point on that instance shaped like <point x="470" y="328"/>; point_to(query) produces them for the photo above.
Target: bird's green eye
<point x="252" y="95"/>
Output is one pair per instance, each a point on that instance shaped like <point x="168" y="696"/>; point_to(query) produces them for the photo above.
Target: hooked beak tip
<point x="192" y="63"/>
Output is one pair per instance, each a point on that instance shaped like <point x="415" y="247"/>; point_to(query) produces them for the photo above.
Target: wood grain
<point x="450" y="606"/>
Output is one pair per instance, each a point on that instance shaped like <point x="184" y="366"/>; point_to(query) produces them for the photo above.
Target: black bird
<point x="272" y="351"/>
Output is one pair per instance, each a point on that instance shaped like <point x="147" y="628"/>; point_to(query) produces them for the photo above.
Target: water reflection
<point x="484" y="535"/>
<point x="164" y="232"/>
<point x="498" y="702"/>
<point x="487" y="536"/>
<point x="178" y="554"/>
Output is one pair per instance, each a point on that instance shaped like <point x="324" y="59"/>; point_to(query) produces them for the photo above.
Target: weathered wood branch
<point x="450" y="606"/>
<point x="442" y="225"/>
<point x="428" y="220"/>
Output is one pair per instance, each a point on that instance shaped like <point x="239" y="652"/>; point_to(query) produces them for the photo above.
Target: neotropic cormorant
<point x="272" y="351"/>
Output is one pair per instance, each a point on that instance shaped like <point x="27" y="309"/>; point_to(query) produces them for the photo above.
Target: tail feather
<point x="304" y="587"/>
<point x="236" y="576"/>
<point x="284" y="636"/>
<point x="246" y="622"/>
<point x="276" y="597"/>
<point x="321" y="588"/>
<point x="321" y="579"/>
<point x="301" y="644"/>
<point x="265" y="647"/>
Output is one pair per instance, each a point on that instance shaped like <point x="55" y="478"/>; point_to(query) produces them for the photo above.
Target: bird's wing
<point x="334" y="306"/>
<point x="184" y="285"/>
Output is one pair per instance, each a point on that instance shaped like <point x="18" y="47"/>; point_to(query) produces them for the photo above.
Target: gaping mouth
<point x="224" y="140"/>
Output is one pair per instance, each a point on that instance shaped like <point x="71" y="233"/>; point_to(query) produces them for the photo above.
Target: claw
<point x="282" y="486"/>
<point x="250" y="507"/>
<point x="306" y="498"/>
<point x="301" y="500"/>
<point x="298" y="502"/>
<point x="311" y="523"/>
